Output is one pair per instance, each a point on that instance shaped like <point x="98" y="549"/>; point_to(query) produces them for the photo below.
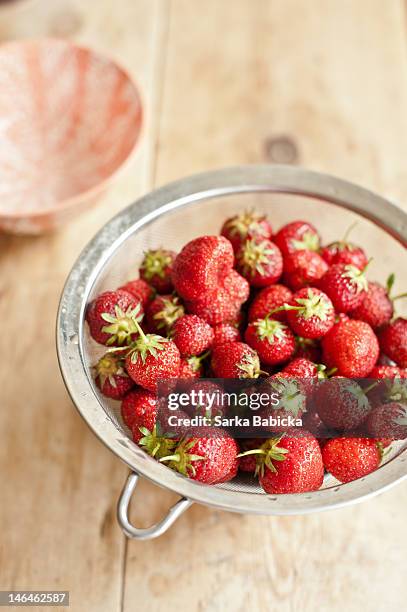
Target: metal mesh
<point x="173" y="229"/>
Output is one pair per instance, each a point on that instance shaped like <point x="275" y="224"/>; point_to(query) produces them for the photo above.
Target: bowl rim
<point x="91" y="192"/>
<point x="185" y="192"/>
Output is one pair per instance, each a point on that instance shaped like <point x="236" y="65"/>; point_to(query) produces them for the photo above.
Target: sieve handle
<point x="149" y="532"/>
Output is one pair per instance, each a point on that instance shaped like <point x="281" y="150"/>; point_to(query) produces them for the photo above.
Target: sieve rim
<point x="186" y="192"/>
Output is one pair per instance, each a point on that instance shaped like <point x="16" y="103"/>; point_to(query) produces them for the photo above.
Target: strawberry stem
<point x="399" y="296"/>
<point x="348" y="232"/>
<point x="175" y="457"/>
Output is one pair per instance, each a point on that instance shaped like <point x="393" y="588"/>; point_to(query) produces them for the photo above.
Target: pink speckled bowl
<point x="69" y="119"/>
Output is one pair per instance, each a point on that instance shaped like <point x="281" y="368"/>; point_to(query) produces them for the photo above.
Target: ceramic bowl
<point x="69" y="119"/>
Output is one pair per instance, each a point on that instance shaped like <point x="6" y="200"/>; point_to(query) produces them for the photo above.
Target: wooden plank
<point x="59" y="484"/>
<point x="323" y="83"/>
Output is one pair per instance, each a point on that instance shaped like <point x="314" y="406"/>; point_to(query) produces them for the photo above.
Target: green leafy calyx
<point x="122" y="325"/>
<point x="156" y="263"/>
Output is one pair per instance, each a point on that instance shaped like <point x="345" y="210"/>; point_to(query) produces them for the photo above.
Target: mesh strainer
<point x="170" y="217"/>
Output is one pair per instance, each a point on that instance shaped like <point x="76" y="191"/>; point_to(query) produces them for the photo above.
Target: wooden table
<point x="322" y="83"/>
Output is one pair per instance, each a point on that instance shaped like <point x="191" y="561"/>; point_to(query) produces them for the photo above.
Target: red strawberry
<point x="236" y="286"/>
<point x="351" y="347"/>
<point x="215" y="308"/>
<point x="303" y="268"/>
<point x="208" y="400"/>
<point x="192" y="335"/>
<point x="224" y="333"/>
<point x="376" y="308"/>
<point x="297" y="236"/>
<point x="209" y="457"/>
<point x="389" y="384"/>
<point x="389" y="372"/>
<point x="113" y="317"/>
<point x="388" y="421"/>
<point x="314" y="424"/>
<point x="344" y="253"/>
<point x="292" y="397"/>
<point x="111" y="378"/>
<point x="290" y="464"/>
<point x="201" y="267"/>
<point x="345" y="285"/>
<point x="139" y="412"/>
<point x="350" y="458"/>
<point x="156" y="269"/>
<point x="273" y="341"/>
<point x="162" y="313"/>
<point x="310" y="313"/>
<point x="152" y="358"/>
<point x="393" y="341"/>
<point x="191" y="367"/>
<point x="260" y="262"/>
<point x="140" y="290"/>
<point x="303" y="368"/>
<point x="235" y="360"/>
<point x="268" y="299"/>
<point x="341" y="403"/>
<point x="139" y="407"/>
<point x="245" y="226"/>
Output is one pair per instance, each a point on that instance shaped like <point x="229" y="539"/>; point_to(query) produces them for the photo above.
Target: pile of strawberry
<point x="251" y="303"/>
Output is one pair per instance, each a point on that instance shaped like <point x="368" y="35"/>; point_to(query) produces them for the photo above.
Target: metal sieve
<point x="170" y="217"/>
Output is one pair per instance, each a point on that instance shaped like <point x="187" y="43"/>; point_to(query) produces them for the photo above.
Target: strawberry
<point x="273" y="340"/>
<point x="344" y="253"/>
<point x="351" y="347"/>
<point x="297" y="236"/>
<point x="268" y="299"/>
<point x="224" y="333"/>
<point x="152" y="358"/>
<point x="209" y="458"/>
<point x="244" y="227"/>
<point x="235" y="360"/>
<point x="215" y="308"/>
<point x="113" y="316"/>
<point x="393" y="341"/>
<point x="139" y="412"/>
<point x="111" y="378"/>
<point x="345" y="285"/>
<point x="260" y="262"/>
<point x="139" y="407"/>
<point x="192" y="335"/>
<point x="303" y="368"/>
<point x="156" y="269"/>
<point x="389" y="384"/>
<point x="388" y="372"/>
<point x="162" y="313"/>
<point x="388" y="421"/>
<point x="211" y="404"/>
<point x="290" y="464"/>
<point x="291" y="393"/>
<point x="191" y="367"/>
<point x="376" y="307"/>
<point x="341" y="403"/>
<point x="310" y="313"/>
<point x="201" y="267"/>
<point x="237" y="287"/>
<point x="140" y="290"/>
<point x="303" y="268"/>
<point x="350" y="458"/>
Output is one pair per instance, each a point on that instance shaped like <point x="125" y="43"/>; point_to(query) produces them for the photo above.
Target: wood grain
<point x="321" y="83"/>
<point x="59" y="484"/>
